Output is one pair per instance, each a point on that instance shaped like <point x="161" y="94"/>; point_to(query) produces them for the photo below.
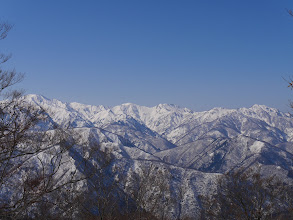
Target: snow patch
<point x="256" y="147"/>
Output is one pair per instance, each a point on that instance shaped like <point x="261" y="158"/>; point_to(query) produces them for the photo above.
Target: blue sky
<point x="198" y="54"/>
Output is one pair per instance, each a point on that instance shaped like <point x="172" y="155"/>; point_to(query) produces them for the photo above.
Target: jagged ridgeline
<point x="136" y="161"/>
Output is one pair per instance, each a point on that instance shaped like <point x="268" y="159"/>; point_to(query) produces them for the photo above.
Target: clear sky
<point x="198" y="54"/>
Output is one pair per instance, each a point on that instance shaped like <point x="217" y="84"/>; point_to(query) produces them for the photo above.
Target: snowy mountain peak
<point x="128" y="104"/>
<point x="168" y="119"/>
<point x="257" y="107"/>
<point x="42" y="100"/>
<point x="36" y="98"/>
<point x="168" y="106"/>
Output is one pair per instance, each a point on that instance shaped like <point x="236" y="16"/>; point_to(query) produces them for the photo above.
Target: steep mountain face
<point x="195" y="146"/>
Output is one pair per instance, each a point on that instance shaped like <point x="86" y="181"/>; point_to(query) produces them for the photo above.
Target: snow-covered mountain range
<point x="195" y="146"/>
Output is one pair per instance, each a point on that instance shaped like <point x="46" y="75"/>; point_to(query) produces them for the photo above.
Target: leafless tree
<point x="150" y="190"/>
<point x="32" y="155"/>
<point x="247" y="195"/>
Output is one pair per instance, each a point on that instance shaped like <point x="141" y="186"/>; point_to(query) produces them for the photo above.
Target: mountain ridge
<point x="196" y="147"/>
<point x="143" y="113"/>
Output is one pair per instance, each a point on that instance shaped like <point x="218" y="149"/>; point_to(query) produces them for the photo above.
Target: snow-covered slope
<point x="199" y="144"/>
<point x="180" y="136"/>
<point x="166" y="127"/>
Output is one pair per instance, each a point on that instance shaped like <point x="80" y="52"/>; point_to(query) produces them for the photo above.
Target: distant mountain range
<point x="195" y="146"/>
